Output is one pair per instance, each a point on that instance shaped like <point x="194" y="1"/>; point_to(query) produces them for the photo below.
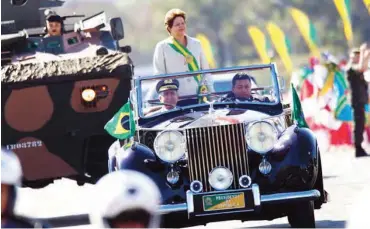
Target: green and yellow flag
<point x="282" y="45"/>
<point x="307" y="29"/>
<point x="261" y="43"/>
<point x="344" y="10"/>
<point x="207" y="49"/>
<point x="122" y="125"/>
<point x="367" y="5"/>
<point x="297" y="112"/>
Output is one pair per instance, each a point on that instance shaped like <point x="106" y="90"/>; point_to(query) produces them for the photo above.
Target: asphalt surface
<point x="345" y="177"/>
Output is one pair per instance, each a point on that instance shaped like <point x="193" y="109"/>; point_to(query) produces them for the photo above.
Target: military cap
<point x="167" y="84"/>
<point x="54" y="18"/>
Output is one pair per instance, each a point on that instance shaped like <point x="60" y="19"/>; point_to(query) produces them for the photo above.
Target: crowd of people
<point x="334" y="96"/>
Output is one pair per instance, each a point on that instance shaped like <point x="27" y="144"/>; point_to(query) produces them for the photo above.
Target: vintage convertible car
<point x="223" y="158"/>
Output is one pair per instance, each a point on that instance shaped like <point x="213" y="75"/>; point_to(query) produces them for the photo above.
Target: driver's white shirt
<point x="166" y="61"/>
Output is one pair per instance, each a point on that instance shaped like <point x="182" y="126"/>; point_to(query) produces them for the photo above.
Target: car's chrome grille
<point x="210" y="147"/>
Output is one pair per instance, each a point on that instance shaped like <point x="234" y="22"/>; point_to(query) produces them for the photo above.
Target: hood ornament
<point x="211" y="110"/>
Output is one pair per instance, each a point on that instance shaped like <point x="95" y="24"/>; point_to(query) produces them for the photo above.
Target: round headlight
<point x="261" y="136"/>
<point x="220" y="178"/>
<point x="88" y="95"/>
<point x="170" y="146"/>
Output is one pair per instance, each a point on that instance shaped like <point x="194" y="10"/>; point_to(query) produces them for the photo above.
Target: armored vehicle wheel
<point x="302" y="215"/>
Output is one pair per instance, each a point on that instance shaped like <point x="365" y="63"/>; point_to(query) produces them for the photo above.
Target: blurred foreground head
<point x="11" y="176"/>
<point x="125" y="199"/>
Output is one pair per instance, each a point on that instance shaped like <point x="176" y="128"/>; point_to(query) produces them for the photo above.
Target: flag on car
<point x="297" y="113"/>
<point x="122" y="125"/>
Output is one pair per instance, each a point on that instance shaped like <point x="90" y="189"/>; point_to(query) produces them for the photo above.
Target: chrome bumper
<point x="258" y="199"/>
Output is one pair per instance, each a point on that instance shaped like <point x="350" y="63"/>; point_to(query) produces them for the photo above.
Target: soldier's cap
<point x="167" y="84"/>
<point x="54" y="18"/>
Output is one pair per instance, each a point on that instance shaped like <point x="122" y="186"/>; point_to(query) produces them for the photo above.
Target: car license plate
<point x="223" y="201"/>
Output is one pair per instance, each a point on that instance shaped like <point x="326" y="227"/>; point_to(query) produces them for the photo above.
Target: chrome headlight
<point x="169" y="146"/>
<point x="220" y="178"/>
<point x="261" y="136"/>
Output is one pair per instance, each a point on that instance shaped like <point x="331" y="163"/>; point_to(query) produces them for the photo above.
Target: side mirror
<point x="18" y="2"/>
<point x="116" y="26"/>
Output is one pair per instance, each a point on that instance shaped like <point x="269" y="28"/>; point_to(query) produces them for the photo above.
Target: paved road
<point x="344" y="176"/>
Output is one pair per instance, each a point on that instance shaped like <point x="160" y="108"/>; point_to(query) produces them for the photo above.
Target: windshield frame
<point x="138" y="87"/>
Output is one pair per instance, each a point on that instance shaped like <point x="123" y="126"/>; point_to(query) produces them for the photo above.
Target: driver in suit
<point x="241" y="89"/>
<point x="168" y="95"/>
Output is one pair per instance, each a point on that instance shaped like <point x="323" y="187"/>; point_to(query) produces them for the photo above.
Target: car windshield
<point x="250" y="85"/>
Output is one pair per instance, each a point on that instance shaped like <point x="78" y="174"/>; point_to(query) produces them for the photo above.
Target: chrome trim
<point x="197" y="177"/>
<point x="291" y="196"/>
<point x="190" y="201"/>
<point x="188" y="138"/>
<point x="249" y="181"/>
<point x="233" y="149"/>
<point x="218" y="70"/>
<point x="168" y="208"/>
<point x="198" y="182"/>
<point x="209" y="146"/>
<point x="228" y="153"/>
<point x="205" y="157"/>
<point x="244" y="148"/>
<point x="256" y="194"/>
<point x="222" y="213"/>
<point x="198" y="172"/>
<point x="258" y="199"/>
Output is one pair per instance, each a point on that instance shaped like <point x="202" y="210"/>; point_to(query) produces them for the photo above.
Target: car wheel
<point x="302" y="215"/>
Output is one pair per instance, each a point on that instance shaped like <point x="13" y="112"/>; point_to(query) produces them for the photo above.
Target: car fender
<point x="141" y="158"/>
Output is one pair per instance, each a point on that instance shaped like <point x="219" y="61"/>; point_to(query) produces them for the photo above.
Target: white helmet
<point x="122" y="192"/>
<point x="11" y="170"/>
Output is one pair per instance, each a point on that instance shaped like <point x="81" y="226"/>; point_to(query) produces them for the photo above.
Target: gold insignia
<point x="168" y="81"/>
<point x="188" y="59"/>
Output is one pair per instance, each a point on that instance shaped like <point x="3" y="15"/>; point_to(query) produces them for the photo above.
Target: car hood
<point x="204" y="119"/>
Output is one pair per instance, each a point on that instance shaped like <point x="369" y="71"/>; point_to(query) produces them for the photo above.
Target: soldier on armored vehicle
<point x="58" y="90"/>
<point x="54" y="25"/>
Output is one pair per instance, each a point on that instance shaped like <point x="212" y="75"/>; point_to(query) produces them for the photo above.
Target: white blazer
<point x="166" y="61"/>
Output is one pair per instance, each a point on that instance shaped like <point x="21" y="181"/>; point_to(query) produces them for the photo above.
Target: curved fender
<point x="300" y="158"/>
<point x="140" y="158"/>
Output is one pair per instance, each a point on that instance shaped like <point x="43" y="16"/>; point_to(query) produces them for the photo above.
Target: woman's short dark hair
<point x="171" y="15"/>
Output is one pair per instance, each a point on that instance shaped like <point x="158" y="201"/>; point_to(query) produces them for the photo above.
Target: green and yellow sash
<point x="192" y="64"/>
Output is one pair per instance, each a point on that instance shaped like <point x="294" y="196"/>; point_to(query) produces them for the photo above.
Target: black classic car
<point x="223" y="153"/>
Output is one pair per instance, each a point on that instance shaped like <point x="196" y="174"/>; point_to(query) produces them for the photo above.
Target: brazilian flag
<point x="122" y="125"/>
<point x="297" y="113"/>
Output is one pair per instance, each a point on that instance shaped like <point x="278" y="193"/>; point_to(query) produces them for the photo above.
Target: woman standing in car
<point x="179" y="52"/>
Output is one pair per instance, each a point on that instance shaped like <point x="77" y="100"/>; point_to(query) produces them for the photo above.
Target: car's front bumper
<point x="258" y="199"/>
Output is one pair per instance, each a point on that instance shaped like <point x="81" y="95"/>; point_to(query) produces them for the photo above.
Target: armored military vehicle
<point x="58" y="92"/>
